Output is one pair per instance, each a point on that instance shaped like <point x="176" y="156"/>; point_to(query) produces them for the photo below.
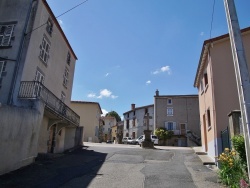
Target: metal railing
<point x="36" y="90"/>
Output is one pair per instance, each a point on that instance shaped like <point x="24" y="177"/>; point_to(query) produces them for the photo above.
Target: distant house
<point x="135" y="121"/>
<point x="216" y="83"/>
<point x="90" y="119"/>
<point x="179" y="113"/>
<point x="109" y="122"/>
<point x="37" y="65"/>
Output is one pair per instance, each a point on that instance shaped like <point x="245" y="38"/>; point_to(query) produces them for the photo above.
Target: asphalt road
<point x="116" y="166"/>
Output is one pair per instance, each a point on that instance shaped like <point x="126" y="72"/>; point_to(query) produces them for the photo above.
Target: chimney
<point x="157" y="93"/>
<point x="132" y="106"/>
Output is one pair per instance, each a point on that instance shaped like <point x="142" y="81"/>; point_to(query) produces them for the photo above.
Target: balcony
<point x="36" y="90"/>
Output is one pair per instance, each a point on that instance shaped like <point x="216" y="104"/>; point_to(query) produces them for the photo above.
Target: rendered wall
<point x="19" y="131"/>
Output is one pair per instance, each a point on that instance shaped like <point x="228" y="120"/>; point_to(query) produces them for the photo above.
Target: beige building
<point x="179" y="113"/>
<point x="36" y="76"/>
<point x="216" y="83"/>
<point x="109" y="122"/>
<point x="90" y="119"/>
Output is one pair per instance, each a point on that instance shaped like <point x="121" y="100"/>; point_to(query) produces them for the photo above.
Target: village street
<point x="113" y="165"/>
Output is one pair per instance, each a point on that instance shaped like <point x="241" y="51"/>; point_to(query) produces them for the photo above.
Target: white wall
<point x="18" y="137"/>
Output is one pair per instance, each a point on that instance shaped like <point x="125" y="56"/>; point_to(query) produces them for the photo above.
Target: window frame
<point x="4" y="35"/>
<point x="2" y="70"/>
<point x="66" y="77"/>
<point x="170" y="111"/>
<point x="169" y="103"/>
<point x="49" y="27"/>
<point x="44" y="52"/>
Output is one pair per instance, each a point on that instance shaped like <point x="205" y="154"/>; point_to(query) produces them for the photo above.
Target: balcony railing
<point x="36" y="90"/>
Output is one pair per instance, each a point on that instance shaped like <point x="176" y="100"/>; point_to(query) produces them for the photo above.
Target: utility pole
<point x="241" y="72"/>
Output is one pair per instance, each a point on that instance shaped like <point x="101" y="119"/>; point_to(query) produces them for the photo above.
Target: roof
<point x="151" y="105"/>
<point x="88" y="102"/>
<point x="176" y="96"/>
<point x="59" y="27"/>
<point x="204" y="53"/>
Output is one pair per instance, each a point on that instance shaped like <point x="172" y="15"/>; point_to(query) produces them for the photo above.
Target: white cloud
<point x="103" y="93"/>
<point x="163" y="69"/>
<point x="107" y="74"/>
<point x="104" y="112"/>
<point x="148" y="82"/>
<point x="202" y="33"/>
<point x="91" y="95"/>
<point x="60" y="22"/>
<point x="113" y="96"/>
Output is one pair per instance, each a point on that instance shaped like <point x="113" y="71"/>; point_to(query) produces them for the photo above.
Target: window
<point x="133" y="122"/>
<point x="201" y="86"/>
<point x="6" y="32"/>
<point x="146" y="110"/>
<point x="68" y="58"/>
<point x="128" y="115"/>
<point x="205" y="79"/>
<point x="49" y="27"/>
<point x="208" y="118"/>
<point x="169" y="101"/>
<point x="63" y="96"/>
<point x="133" y="135"/>
<point x="2" y="71"/>
<point x="127" y="122"/>
<point x="134" y="112"/>
<point x="170" y="111"/>
<point x="170" y="125"/>
<point x="65" y="77"/>
<point x="44" y="50"/>
<point x="38" y="87"/>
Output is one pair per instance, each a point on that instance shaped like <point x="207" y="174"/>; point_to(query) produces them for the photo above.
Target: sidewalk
<point x="206" y="160"/>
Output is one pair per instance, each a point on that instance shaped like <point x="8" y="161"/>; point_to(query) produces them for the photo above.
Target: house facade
<point x="216" y="83"/>
<point x="37" y="66"/>
<point x="90" y="113"/>
<point x="135" y="121"/>
<point x="108" y="123"/>
<point x="179" y="113"/>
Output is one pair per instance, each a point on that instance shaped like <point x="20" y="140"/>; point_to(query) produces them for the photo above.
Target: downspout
<point x="19" y="55"/>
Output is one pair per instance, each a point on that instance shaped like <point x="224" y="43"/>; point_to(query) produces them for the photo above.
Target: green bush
<point x="163" y="134"/>
<point x="239" y="146"/>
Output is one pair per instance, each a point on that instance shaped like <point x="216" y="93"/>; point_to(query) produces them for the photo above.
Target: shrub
<point x="239" y="146"/>
<point x="163" y="134"/>
<point x="231" y="172"/>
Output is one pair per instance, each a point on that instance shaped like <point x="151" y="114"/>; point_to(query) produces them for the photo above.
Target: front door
<point x="183" y="129"/>
<point x="205" y="132"/>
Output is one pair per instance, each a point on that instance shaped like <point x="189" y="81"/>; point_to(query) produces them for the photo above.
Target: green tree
<point x="114" y="114"/>
<point x="163" y="134"/>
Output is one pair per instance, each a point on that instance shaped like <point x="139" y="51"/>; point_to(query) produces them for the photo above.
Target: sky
<point x="127" y="49"/>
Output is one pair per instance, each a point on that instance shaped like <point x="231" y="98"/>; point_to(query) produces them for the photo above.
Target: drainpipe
<point x="19" y="55"/>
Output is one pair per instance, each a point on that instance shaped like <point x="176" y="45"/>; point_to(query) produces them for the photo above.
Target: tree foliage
<point x="114" y="114"/>
<point x="163" y="134"/>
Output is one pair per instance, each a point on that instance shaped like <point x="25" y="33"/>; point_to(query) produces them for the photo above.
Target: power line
<point x="58" y="16"/>
<point x="211" y="25"/>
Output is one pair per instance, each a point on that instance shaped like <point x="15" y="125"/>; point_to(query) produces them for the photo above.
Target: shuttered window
<point x="65" y="77"/>
<point x="170" y="125"/>
<point x="2" y="71"/>
<point x="44" y="50"/>
<point x="6" y="32"/>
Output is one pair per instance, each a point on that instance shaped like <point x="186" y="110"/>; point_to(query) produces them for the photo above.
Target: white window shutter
<point x="174" y="125"/>
<point x="166" y="125"/>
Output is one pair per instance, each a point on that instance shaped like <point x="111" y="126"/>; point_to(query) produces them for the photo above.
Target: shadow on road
<point x="56" y="170"/>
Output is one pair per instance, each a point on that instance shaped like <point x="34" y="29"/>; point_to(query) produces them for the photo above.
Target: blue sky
<point x="127" y="49"/>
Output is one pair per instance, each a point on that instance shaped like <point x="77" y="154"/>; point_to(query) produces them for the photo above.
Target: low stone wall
<point x="19" y="131"/>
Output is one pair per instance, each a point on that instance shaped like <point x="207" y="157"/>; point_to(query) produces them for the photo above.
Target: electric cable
<point x="58" y="16"/>
<point x="211" y="25"/>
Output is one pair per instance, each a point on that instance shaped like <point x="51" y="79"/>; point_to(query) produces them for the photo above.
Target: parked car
<point x="142" y="138"/>
<point x="131" y="141"/>
<point x="125" y="140"/>
<point x="109" y="142"/>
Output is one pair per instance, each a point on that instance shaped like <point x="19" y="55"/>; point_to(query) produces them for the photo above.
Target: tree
<point x="114" y="114"/>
